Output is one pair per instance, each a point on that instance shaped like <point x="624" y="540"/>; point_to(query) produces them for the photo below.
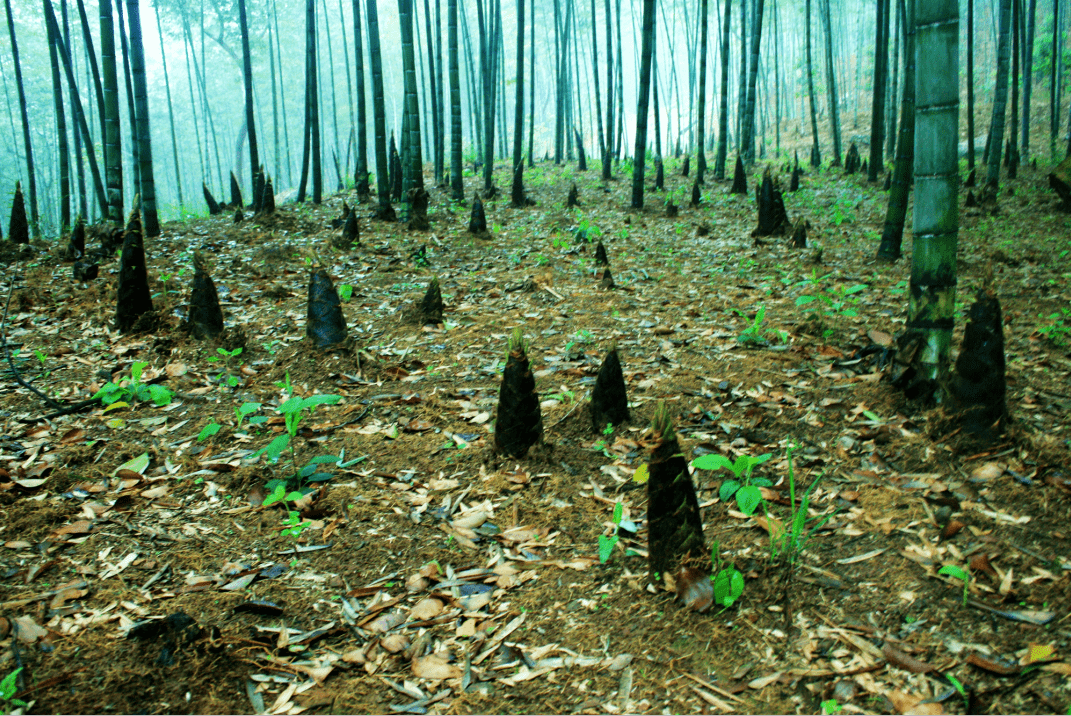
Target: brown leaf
<point x="900" y="659"/>
<point x="993" y="665"/>
<point x="980" y="563"/>
<point x="80" y="527"/>
<point x="910" y="704"/>
<point x="951" y="529"/>
<point x="695" y="589"/>
<point x="426" y="609"/>
<point x="434" y="666"/>
<point x="76" y="435"/>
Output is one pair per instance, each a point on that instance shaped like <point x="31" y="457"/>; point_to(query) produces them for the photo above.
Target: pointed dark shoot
<point x="739" y="178"/>
<point x="326" y="326"/>
<point x="431" y="306"/>
<point x="205" y="320"/>
<point x="609" y="397"/>
<point x="519" y="422"/>
<point x="674" y="524"/>
<point x="134" y="298"/>
<point x="18" y="229"/>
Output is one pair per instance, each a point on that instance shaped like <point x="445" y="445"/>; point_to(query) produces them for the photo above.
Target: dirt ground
<point x="142" y="573"/>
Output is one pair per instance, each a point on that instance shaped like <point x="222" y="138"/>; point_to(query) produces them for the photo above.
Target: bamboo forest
<point x="535" y="356"/>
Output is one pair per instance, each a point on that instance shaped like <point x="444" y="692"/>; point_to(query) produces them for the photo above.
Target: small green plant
<point x="285" y="384"/>
<point x="728" y="581"/>
<point x="345" y="292"/>
<point x="129" y="391"/>
<point x="951" y="570"/>
<point x="8" y="689"/>
<point x="835" y="302"/>
<point x="830" y="707"/>
<point x="1056" y="328"/>
<point x="602" y="445"/>
<point x="793" y="539"/>
<point x="228" y="356"/>
<point x="755" y="334"/>
<point x="208" y="431"/>
<point x="961" y="690"/>
<point x="296" y="525"/>
<point x="293" y="410"/>
<point x="245" y="410"/>
<point x="743" y="486"/>
<point x="608" y="542"/>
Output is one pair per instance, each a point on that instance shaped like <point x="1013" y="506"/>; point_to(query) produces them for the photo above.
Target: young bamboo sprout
<point x="478" y="220"/>
<point x="134" y="298"/>
<point x="206" y="317"/>
<point x="326" y="326"/>
<point x="18" y="229"/>
<point x="978" y="385"/>
<point x="213" y="205"/>
<point x="739" y="178"/>
<point x="609" y="398"/>
<point x="519" y="424"/>
<point x="674" y="525"/>
<point x="431" y="306"/>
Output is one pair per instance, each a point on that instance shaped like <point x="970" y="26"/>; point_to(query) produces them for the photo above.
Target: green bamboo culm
<point x="936" y="214"/>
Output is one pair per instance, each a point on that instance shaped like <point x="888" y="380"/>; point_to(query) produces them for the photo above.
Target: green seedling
<point x="293" y="410"/>
<point x="245" y="410"/>
<point x="134" y="389"/>
<point x="755" y="334"/>
<point x="728" y="581"/>
<point x="208" y="431"/>
<point x="228" y="356"/>
<point x="608" y="542"/>
<point x="743" y="486"/>
<point x="830" y="707"/>
<point x="951" y="570"/>
<point x="793" y="540"/>
<point x="296" y="525"/>
<point x="285" y="384"/>
<point x="1056" y="328"/>
<point x="961" y="689"/>
<point x="8" y="689"/>
<point x="345" y="292"/>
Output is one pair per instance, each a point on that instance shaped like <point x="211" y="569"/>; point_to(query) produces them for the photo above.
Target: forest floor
<point x="430" y="575"/>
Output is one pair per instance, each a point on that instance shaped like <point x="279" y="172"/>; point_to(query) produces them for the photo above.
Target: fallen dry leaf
<point x="434" y="666"/>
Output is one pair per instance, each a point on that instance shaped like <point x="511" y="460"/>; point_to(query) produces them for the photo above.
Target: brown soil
<point x="432" y="575"/>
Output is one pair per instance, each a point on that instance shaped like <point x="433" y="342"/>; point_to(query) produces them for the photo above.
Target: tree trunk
<point x="379" y="112"/>
<point x="831" y="78"/>
<point x="247" y="82"/>
<point x="741" y="86"/>
<point x="35" y="218"/>
<point x="361" y="175"/>
<point x="531" y="88"/>
<point x="900" y="187"/>
<point x="1028" y="74"/>
<point x="753" y="74"/>
<point x="282" y="93"/>
<point x="61" y="129"/>
<point x="436" y="110"/>
<point x="643" y="102"/>
<point x="723" y="100"/>
<point x="970" y="84"/>
<point x="518" y="196"/>
<point x="936" y="221"/>
<point x="170" y="110"/>
<point x="112" y="138"/>
<point x="595" y="76"/>
<point x="1054" y="79"/>
<point x="877" y="115"/>
<point x="1000" y="97"/>
<point x="457" y="188"/>
<point x="412" y="175"/>
<point x="816" y="150"/>
<point x="135" y="149"/>
<point x="609" y="91"/>
<point x="701" y="156"/>
<point x="150" y="220"/>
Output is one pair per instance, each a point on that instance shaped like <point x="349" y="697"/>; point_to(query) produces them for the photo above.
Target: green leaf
<point x="728" y="489"/>
<point x="275" y="448"/>
<point x="728" y="586"/>
<point x="641" y="475"/>
<point x="245" y="409"/>
<point x="138" y="464"/>
<point x="208" y="431"/>
<point x="618" y="513"/>
<point x="277" y="495"/>
<point x="855" y="289"/>
<point x="712" y="461"/>
<point x="8" y="685"/>
<point x="137" y="369"/>
<point x="320" y="399"/>
<point x="606" y="547"/>
<point x="748" y="498"/>
<point x="160" y="395"/>
<point x="955" y="572"/>
<point x="345" y="292"/>
<point x="871" y="415"/>
<point x="762" y="482"/>
<point x="290" y="405"/>
<point x="804" y="300"/>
